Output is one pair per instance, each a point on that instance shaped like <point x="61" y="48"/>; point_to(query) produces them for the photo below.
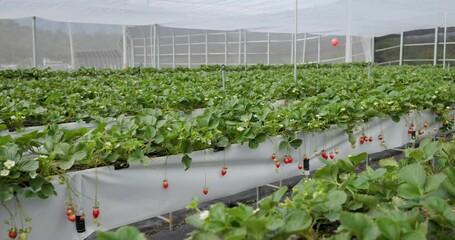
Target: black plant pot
<point x="80" y="224"/>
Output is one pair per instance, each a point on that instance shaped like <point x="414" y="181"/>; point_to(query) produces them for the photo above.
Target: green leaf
<point x="396" y="119"/>
<point x="185" y="146"/>
<point x="436" y="204"/>
<point x="186" y="161"/>
<point x="297" y="221"/>
<point x="431" y="148"/>
<point x="449" y="183"/>
<point x="367" y="200"/>
<point x="356" y="159"/>
<point x="223" y="142"/>
<point x="48" y="190"/>
<point x="27" y="165"/>
<point x="360" y="225"/>
<point x="6" y="192"/>
<point x="138" y="157"/>
<point x="296" y="143"/>
<point x="388" y="162"/>
<point x="417" y="154"/>
<point x="413" y="174"/>
<point x="123" y="233"/>
<point x="433" y="182"/>
<point x="413" y="235"/>
<point x="283" y="145"/>
<point x="150" y="133"/>
<point x="36" y="183"/>
<point x="409" y="191"/>
<point x="195" y="221"/>
<point x="205" y="236"/>
<point x="235" y="234"/>
<point x="388" y="228"/>
<point x="336" y="199"/>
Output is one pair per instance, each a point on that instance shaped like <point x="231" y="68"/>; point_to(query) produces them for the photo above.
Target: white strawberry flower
<point x="342" y="109"/>
<point x="33" y="174"/>
<point x="4" y="172"/>
<point x="240" y="129"/>
<point x="318" y="116"/>
<point x="255" y="210"/>
<point x="13" y="117"/>
<point x="204" y="215"/>
<point x="9" y="164"/>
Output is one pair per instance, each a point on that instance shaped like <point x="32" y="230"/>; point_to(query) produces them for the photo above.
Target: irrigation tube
<point x="136" y="193"/>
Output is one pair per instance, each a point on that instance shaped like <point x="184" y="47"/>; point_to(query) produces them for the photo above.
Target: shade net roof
<point x="336" y="17"/>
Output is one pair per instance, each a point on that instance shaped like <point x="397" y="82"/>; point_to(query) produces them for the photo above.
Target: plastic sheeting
<point x="136" y="193"/>
<point x="336" y="17"/>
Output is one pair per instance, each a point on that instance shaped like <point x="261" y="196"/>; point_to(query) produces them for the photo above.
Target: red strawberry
<point x="12" y="233"/>
<point x="205" y="191"/>
<point x="273" y="156"/>
<point x="286" y="160"/>
<point x="96" y="212"/>
<point x="223" y="171"/>
<point x="380" y="138"/>
<point x="371" y="139"/>
<point x="277" y="164"/>
<point x="362" y="141"/>
<point x="410" y="131"/>
<point x="165" y="185"/>
<point x="412" y="125"/>
<point x="332" y="156"/>
<point x="300" y="166"/>
<point x="291" y="159"/>
<point x="421" y="132"/>
<point x="425" y="125"/>
<point x="72" y="218"/>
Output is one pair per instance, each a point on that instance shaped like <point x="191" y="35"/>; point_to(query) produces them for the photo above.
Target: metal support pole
<point x="225" y="48"/>
<point x="445" y="41"/>
<point x="304" y="48"/>
<point x="292" y="48"/>
<point x="240" y="46"/>
<point x="34" y="41"/>
<point x="319" y="49"/>
<point x="173" y="48"/>
<point x="348" y="54"/>
<point x="372" y="49"/>
<point x="245" y="49"/>
<point x="435" y="55"/>
<point x="401" y="48"/>
<point x="154" y="45"/>
<point x="206" y="48"/>
<point x="295" y="39"/>
<point x="158" y="49"/>
<point x="152" y="62"/>
<point x="125" y="51"/>
<point x="268" y="48"/>
<point x="189" y="49"/>
<point x="145" y="52"/>
<point x="70" y="35"/>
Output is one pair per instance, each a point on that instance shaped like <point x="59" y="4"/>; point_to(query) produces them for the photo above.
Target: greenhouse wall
<point x="61" y="45"/>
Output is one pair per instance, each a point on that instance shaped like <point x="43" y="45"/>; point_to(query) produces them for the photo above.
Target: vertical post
<point x="445" y="41"/>
<point x="34" y="41"/>
<point x="157" y="49"/>
<point x="295" y="39"/>
<point x="189" y="49"/>
<point x="70" y="35"/>
<point x="125" y="51"/>
<point x="292" y="48"/>
<point x="245" y="49"/>
<point x="240" y="46"/>
<point x="401" y="48"/>
<point x="348" y="53"/>
<point x="435" y="55"/>
<point x="154" y="45"/>
<point x="319" y="48"/>
<point x="206" y="48"/>
<point x="173" y="48"/>
<point x="372" y="49"/>
<point x="145" y="52"/>
<point x="225" y="48"/>
<point x="152" y="62"/>
<point x="268" y="48"/>
<point x="304" y="48"/>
